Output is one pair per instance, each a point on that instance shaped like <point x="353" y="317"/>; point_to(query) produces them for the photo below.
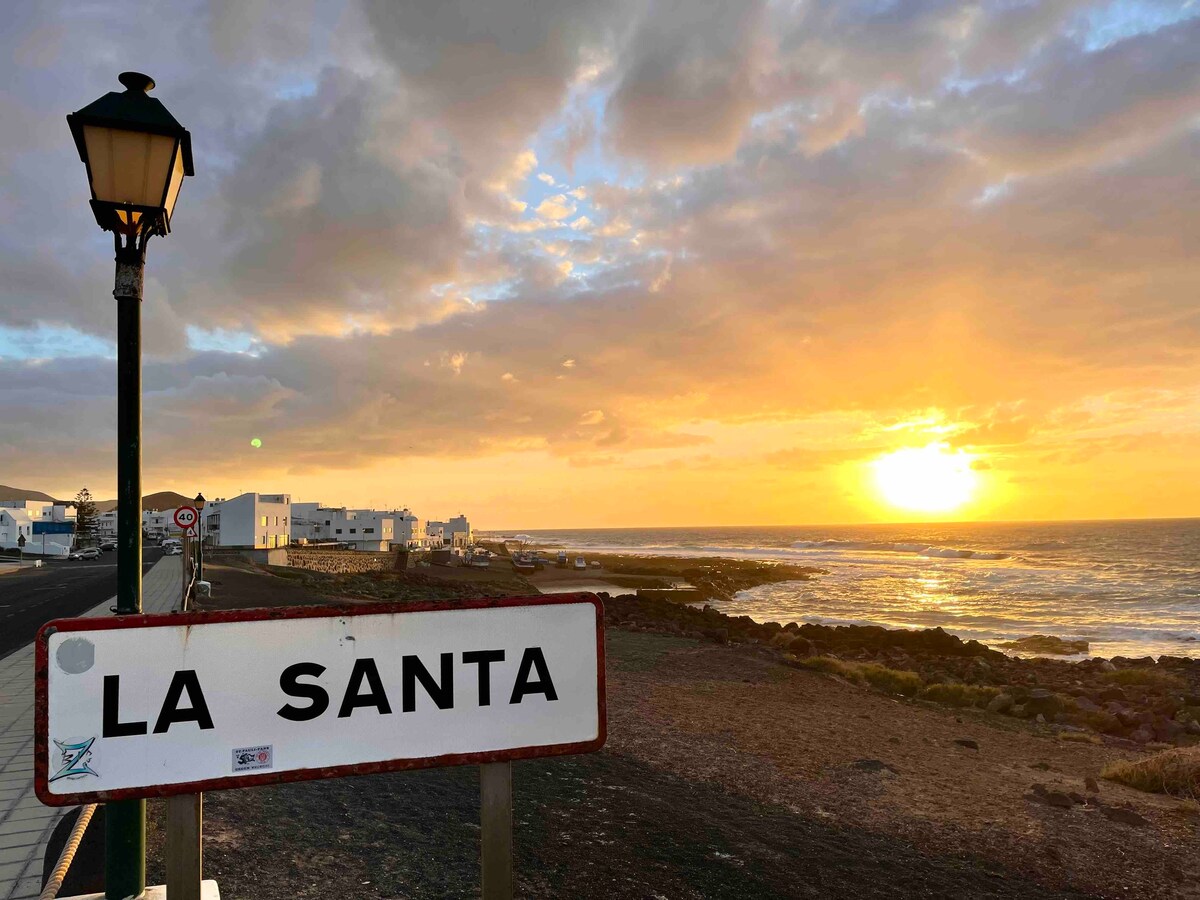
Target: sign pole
<point x="495" y="820"/>
<point x="184" y="567"/>
<point x="185" y="855"/>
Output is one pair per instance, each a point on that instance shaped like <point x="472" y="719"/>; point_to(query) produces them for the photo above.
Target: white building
<point x="43" y="511"/>
<point x="410" y="530"/>
<point x="250" y="520"/>
<point x="106" y="525"/>
<point x="362" y="529"/>
<point x="51" y="525"/>
<point x="159" y="524"/>
<point x="453" y="533"/>
<point x="307" y="523"/>
<point x="15" y="523"/>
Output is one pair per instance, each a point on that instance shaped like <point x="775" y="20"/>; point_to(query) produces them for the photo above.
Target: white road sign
<point x="145" y="706"/>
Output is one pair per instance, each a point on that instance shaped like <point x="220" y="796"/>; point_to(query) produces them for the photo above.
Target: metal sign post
<point x="185" y="546"/>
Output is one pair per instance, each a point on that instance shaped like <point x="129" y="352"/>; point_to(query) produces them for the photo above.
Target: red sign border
<point x="41" y="740"/>
<point x="178" y="524"/>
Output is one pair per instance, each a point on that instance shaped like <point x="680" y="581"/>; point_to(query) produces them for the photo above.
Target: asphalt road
<point x="31" y="597"/>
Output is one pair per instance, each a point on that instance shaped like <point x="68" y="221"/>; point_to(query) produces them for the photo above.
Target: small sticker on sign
<point x="246" y="758"/>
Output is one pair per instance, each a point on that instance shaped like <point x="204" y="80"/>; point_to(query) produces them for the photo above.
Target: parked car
<point x="173" y="550"/>
<point x="109" y="545"/>
<point x="86" y="553"/>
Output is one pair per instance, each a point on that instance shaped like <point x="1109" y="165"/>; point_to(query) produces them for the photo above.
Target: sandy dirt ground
<point x="728" y="774"/>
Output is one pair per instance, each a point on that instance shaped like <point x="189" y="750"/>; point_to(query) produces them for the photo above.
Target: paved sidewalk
<point x="25" y="825"/>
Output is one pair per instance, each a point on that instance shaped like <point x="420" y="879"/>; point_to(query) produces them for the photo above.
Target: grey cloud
<point x="1075" y="106"/>
<point x="687" y="86"/>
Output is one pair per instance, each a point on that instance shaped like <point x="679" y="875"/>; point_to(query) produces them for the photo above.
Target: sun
<point x="931" y="479"/>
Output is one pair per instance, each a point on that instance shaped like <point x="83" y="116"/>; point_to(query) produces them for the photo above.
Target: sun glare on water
<point x="931" y="479"/>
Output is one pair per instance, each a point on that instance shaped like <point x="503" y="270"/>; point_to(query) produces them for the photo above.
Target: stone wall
<point x="340" y="562"/>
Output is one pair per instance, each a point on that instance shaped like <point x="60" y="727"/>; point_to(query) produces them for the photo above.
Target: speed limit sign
<point x="186" y="517"/>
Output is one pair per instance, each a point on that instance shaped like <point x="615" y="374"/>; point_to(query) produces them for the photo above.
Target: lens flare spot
<point x="256" y="443"/>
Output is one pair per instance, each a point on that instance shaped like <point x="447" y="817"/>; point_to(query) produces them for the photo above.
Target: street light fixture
<point x="137" y="156"/>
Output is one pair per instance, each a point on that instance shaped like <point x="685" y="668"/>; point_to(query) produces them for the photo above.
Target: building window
<point x="338" y="531"/>
<point x="285" y="520"/>
<point x="263" y="522"/>
<point x="354" y="531"/>
<point x="368" y="531"/>
<point x="327" y="522"/>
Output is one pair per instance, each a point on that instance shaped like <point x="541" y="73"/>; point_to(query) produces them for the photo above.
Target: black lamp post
<point x="199" y="504"/>
<point x="136" y="156"/>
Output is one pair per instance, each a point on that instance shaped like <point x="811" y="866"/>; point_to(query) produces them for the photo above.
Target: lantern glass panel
<point x="177" y="174"/>
<point x="130" y="167"/>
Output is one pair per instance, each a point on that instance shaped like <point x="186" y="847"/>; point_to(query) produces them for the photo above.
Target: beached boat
<point x="580" y="562"/>
<point x="526" y="562"/>
<point x="478" y="559"/>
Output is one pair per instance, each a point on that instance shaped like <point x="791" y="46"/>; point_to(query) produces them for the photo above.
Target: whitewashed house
<point x="15" y="523"/>
<point x="361" y="529"/>
<point x="434" y="533"/>
<point x="52" y="525"/>
<point x="251" y="521"/>
<point x="106" y="525"/>
<point x="455" y="532"/>
<point x="159" y="524"/>
<point x="410" y="530"/>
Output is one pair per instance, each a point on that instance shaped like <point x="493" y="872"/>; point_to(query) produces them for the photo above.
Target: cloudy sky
<point x="567" y="262"/>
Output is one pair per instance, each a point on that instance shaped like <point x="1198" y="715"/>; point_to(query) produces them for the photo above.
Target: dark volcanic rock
<point x="1124" y="816"/>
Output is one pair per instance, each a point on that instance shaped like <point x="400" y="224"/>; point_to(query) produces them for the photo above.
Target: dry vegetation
<point x="1175" y="772"/>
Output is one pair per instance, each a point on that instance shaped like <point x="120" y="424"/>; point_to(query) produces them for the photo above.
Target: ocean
<point x="1129" y="588"/>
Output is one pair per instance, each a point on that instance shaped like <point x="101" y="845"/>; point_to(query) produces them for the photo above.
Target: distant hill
<point x="12" y="493"/>
<point x="161" y="500"/>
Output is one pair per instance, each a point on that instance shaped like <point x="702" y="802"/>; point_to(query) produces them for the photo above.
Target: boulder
<point x="1051" y="798"/>
<point x="968" y="743"/>
<point x="1045" y="643"/>
<point x="1167" y="730"/>
<point x="800" y="646"/>
<point x="1143" y="734"/>
<point x="1043" y="702"/>
<point x="1085" y="704"/>
<point x="1001" y="703"/>
<point x="1124" y="816"/>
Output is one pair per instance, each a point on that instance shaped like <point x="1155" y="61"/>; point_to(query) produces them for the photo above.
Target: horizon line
<point x="860" y="524"/>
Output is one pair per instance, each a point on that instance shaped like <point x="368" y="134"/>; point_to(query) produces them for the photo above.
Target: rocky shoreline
<point x="1140" y="702"/>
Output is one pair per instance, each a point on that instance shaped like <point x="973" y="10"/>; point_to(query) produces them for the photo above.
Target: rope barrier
<point x="50" y="891"/>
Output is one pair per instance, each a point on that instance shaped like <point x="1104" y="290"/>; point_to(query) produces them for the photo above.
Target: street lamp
<point x="137" y="156"/>
<point x="199" y="504"/>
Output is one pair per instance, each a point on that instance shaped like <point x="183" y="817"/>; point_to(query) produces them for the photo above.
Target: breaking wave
<point x="916" y="549"/>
